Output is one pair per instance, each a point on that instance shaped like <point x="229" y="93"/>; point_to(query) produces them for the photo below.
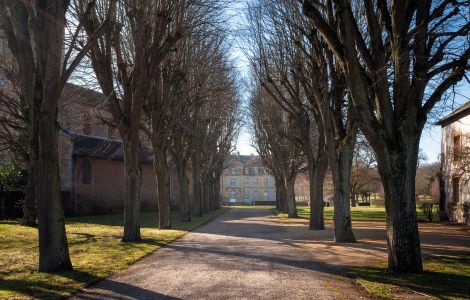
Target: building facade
<point x="455" y="163"/>
<point x="246" y="180"/>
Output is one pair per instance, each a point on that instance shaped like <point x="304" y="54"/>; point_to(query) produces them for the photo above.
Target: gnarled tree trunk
<point x="196" y="172"/>
<point x="317" y="177"/>
<point x="341" y="163"/>
<point x="398" y="170"/>
<point x="53" y="246"/>
<point x="185" y="212"/>
<point x="290" y="197"/>
<point x="132" y="201"/>
<point x="205" y="194"/>
<point x="160" y="166"/>
<point x="29" y="205"/>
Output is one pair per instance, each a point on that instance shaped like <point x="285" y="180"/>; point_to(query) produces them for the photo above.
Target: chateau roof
<point x="76" y="93"/>
<point x="93" y="146"/>
<point x="462" y="111"/>
<point x="246" y="160"/>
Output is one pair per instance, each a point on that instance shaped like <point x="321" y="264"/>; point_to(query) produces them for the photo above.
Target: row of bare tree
<point x="163" y="68"/>
<point x="324" y="70"/>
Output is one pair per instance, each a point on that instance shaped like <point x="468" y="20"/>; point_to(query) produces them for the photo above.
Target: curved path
<point x="243" y="254"/>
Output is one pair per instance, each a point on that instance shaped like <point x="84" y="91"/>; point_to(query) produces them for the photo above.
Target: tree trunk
<point x="340" y="163"/>
<point x="290" y="198"/>
<point x="317" y="177"/>
<point x="29" y="206"/>
<point x="211" y="193"/>
<point x="196" y="164"/>
<point x="53" y="246"/>
<point x="398" y="172"/>
<point x="205" y="195"/>
<point x="160" y="166"/>
<point x="132" y="201"/>
<point x="353" y="200"/>
<point x="278" y="194"/>
<point x="218" y="198"/>
<point x="185" y="213"/>
<point x="283" y="197"/>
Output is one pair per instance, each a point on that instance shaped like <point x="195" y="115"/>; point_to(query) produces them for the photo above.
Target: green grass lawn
<point x="444" y="277"/>
<point x="358" y="213"/>
<point x="96" y="252"/>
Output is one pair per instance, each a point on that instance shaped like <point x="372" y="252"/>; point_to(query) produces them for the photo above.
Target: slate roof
<point x="76" y="93"/>
<point x="457" y="114"/>
<point x="246" y="160"/>
<point x="92" y="146"/>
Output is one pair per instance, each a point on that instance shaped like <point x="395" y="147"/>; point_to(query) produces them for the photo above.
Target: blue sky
<point x="431" y="136"/>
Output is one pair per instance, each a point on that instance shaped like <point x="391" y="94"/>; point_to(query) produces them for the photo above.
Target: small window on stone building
<point x="256" y="182"/>
<point x="232" y="182"/>
<point x="266" y="181"/>
<point x="457" y="146"/>
<point x="87" y="175"/>
<point x="456" y="190"/>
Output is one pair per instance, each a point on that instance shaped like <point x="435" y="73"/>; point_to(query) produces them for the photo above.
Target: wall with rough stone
<point x="457" y="212"/>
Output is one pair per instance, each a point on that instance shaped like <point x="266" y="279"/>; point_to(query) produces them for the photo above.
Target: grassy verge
<point x="359" y="213"/>
<point x="249" y="206"/>
<point x="96" y="251"/>
<point x="444" y="277"/>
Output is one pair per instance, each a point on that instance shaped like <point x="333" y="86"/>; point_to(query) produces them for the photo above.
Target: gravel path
<point x="243" y="254"/>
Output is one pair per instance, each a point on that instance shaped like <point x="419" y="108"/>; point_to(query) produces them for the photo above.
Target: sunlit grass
<point x="96" y="252"/>
<point x="358" y="213"/>
<point x="444" y="277"/>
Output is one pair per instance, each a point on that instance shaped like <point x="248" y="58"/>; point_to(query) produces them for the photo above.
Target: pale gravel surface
<point x="243" y="254"/>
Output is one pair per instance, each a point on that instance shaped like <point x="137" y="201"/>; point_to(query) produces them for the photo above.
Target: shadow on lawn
<point x="442" y="277"/>
<point x="45" y="288"/>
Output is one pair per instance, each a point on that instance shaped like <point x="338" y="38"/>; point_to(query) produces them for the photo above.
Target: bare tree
<point x="125" y="61"/>
<point x="14" y="133"/>
<point x="274" y="58"/>
<point x="35" y="32"/>
<point x="399" y="59"/>
<point x="272" y="127"/>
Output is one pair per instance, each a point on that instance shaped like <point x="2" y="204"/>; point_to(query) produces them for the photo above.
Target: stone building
<point x="91" y="159"/>
<point x="455" y="163"/>
<point x="246" y="180"/>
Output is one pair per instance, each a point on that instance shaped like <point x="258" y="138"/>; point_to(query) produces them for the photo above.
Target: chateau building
<point x="455" y="163"/>
<point x="246" y="180"/>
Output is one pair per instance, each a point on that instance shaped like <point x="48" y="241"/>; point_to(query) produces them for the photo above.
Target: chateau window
<point x="232" y="182"/>
<point x="87" y="175"/>
<point x="456" y="190"/>
<point x="251" y="171"/>
<point x="256" y="182"/>
<point x="266" y="195"/>
<point x="233" y="195"/>
<point x="245" y="182"/>
<point x="247" y="194"/>
<point x="232" y="171"/>
<point x="266" y="181"/>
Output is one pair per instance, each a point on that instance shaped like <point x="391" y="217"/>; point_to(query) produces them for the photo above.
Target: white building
<point x="455" y="163"/>
<point x="246" y="180"/>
